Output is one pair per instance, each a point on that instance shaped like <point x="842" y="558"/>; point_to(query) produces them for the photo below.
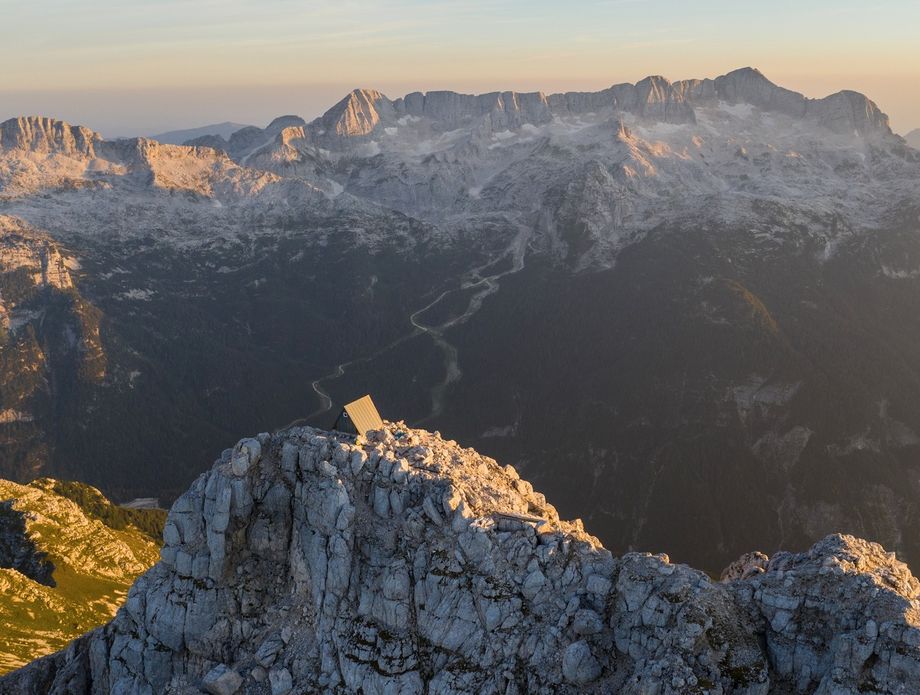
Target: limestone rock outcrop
<point x="357" y="114"/>
<point x="306" y="561"/>
<point x="748" y="85"/>
<point x="35" y="255"/>
<point x="48" y="135"/>
<point x="66" y="565"/>
<point x="35" y="269"/>
<point x="655" y="99"/>
<point x="849" y="112"/>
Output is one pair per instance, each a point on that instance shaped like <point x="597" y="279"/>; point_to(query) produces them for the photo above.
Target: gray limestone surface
<point x="308" y="561"/>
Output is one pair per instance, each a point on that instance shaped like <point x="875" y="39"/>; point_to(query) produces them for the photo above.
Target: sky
<point x="131" y="67"/>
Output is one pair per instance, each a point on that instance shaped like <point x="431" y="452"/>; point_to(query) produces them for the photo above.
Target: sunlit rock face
<point x="38" y="258"/>
<point x="47" y="135"/>
<point x="67" y="559"/>
<point x="357" y="114"/>
<point x="306" y="561"/>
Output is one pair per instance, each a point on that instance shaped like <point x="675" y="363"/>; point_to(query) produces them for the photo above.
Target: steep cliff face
<point x="48" y="135"/>
<point x="308" y="562"/>
<point x="49" y="340"/>
<point x="367" y="113"/>
<point x="357" y="114"/>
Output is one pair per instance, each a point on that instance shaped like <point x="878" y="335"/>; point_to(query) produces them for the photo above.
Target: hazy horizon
<point x="130" y="68"/>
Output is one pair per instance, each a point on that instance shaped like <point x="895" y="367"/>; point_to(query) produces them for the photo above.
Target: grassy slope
<point x="95" y="564"/>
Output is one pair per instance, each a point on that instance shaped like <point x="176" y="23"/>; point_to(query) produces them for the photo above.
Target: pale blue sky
<point x="136" y="66"/>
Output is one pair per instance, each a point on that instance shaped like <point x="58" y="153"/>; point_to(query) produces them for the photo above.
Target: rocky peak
<point x="750" y="86"/>
<point x="48" y="136"/>
<point x="357" y="114"/>
<point x="653" y="98"/>
<point x="845" y="112"/>
<point x="172" y="167"/>
<point x="657" y="99"/>
<point x="309" y="561"/>
<point x="496" y="110"/>
<point x="511" y="110"/>
<point x="282" y="122"/>
<point x="849" y="112"/>
<point x="291" y="134"/>
<point x="246" y="137"/>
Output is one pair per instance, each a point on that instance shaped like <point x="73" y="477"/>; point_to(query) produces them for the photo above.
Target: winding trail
<point x="489" y="284"/>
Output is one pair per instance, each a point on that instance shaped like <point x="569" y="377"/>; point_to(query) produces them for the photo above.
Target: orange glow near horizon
<point x="256" y="61"/>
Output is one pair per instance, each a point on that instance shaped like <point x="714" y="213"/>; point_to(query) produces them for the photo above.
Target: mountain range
<point x="178" y="137"/>
<point x="686" y="310"/>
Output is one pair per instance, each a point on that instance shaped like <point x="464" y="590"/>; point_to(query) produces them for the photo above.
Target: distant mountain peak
<point x="48" y="135"/>
<point x="849" y="111"/>
<point x="357" y="114"/>
<point x="282" y="122"/>
<point x="180" y="137"/>
<point x="748" y="71"/>
<point x="913" y="138"/>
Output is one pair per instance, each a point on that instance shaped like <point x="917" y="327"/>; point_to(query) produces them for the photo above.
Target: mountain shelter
<point x="358" y="417"/>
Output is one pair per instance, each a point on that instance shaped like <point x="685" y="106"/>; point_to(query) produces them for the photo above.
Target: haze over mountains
<point x="687" y="311"/>
<point x="178" y="137"/>
<point x="913" y="138"/>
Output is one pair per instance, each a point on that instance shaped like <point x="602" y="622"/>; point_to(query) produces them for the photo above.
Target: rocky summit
<point x="307" y="561"/>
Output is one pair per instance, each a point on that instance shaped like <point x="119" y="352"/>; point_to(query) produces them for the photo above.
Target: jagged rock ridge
<point x="40" y="134"/>
<point x="42" y="153"/>
<point x="654" y="98"/>
<point x="307" y="562"/>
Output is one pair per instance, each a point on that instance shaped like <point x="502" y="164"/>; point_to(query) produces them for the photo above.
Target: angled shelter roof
<point x="363" y="415"/>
